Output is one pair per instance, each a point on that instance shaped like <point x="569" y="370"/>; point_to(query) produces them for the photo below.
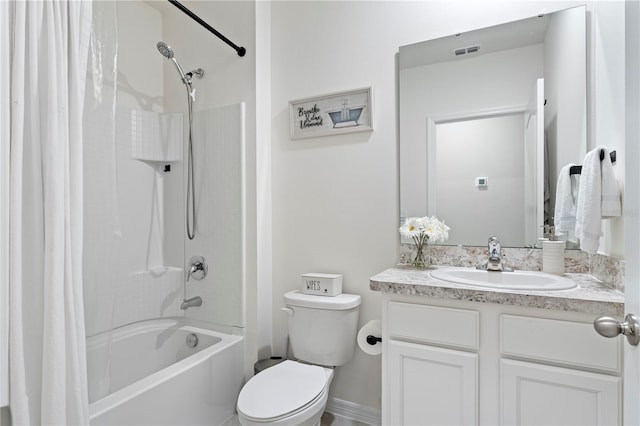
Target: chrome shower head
<point x="165" y="50"/>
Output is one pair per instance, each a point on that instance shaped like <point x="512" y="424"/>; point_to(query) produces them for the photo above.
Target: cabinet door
<point x="533" y="394"/>
<point x="430" y="385"/>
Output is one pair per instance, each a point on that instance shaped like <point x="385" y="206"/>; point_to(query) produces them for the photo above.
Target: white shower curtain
<point x="47" y="358"/>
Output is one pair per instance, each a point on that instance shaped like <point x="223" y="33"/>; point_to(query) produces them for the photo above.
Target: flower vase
<point x="421" y="260"/>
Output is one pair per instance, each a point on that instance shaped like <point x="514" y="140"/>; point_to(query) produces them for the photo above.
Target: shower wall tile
<point x="149" y="294"/>
<point x="219" y="142"/>
<point x="127" y="275"/>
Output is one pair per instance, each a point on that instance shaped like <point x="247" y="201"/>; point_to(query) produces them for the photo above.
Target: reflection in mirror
<point x="505" y="103"/>
<point x="471" y="150"/>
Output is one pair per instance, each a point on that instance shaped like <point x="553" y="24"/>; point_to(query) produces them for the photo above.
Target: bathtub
<point x="153" y="377"/>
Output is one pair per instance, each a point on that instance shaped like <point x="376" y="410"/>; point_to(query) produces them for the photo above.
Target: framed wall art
<point x="332" y="114"/>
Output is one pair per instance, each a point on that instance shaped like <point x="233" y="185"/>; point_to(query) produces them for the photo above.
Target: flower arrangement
<point x="423" y="230"/>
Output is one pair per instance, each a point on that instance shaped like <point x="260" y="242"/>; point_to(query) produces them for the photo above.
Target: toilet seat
<point x="282" y="391"/>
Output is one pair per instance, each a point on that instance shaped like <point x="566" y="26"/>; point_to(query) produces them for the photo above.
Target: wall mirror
<point x="487" y="120"/>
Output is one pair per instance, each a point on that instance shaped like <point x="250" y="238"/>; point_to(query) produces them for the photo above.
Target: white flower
<point x="412" y="227"/>
<point x="422" y="229"/>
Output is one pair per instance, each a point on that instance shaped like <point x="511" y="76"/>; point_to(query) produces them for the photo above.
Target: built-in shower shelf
<point x="152" y="136"/>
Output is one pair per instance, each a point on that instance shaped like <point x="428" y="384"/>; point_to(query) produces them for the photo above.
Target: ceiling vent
<point x="465" y="50"/>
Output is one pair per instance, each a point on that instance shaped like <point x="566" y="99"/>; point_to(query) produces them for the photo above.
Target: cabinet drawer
<point x="571" y="343"/>
<point x="436" y="325"/>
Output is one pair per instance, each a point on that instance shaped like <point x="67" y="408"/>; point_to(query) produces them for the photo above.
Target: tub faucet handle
<point x="197" y="268"/>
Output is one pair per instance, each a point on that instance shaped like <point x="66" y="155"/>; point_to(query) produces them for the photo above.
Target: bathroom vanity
<point x="459" y="354"/>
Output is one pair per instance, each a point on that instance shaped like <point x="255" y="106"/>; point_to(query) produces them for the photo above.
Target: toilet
<point x="322" y="335"/>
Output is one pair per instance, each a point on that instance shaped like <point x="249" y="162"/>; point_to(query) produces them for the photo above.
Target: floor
<point x="329" y="419"/>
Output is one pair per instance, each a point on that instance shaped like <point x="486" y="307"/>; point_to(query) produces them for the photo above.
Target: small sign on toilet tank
<point x="322" y="284"/>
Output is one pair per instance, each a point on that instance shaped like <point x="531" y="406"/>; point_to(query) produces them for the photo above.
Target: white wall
<point x="335" y="199"/>
<point x="607" y="66"/>
<point x="566" y="136"/>
<point x="264" y="253"/>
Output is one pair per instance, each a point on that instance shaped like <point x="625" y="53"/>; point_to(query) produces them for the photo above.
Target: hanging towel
<point x="546" y="186"/>
<point x="611" y="197"/>
<point x="589" y="209"/>
<point x="566" y="197"/>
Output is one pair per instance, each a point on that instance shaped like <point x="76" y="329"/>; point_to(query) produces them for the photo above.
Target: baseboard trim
<point x="353" y="411"/>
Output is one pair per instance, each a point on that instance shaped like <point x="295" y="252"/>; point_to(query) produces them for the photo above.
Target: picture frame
<point x="332" y="114"/>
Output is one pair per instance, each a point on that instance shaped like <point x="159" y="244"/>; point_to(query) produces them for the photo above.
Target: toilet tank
<point x="322" y="329"/>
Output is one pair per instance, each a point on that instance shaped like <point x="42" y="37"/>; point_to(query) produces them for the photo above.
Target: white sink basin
<point x="517" y="280"/>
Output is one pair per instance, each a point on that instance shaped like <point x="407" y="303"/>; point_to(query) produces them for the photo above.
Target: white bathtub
<point x="154" y="378"/>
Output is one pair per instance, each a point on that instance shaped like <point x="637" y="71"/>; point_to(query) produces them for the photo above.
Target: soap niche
<point x="154" y="138"/>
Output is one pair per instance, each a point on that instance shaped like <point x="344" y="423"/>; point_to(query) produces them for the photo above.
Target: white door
<point x="631" y="375"/>
<point x="632" y="208"/>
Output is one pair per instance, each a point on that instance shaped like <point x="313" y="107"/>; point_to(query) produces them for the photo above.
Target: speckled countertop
<point x="590" y="296"/>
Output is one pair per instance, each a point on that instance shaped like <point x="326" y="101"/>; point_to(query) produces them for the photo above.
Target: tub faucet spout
<point x="190" y="303"/>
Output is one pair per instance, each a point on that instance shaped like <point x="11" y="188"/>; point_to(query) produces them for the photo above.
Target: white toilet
<point x="322" y="334"/>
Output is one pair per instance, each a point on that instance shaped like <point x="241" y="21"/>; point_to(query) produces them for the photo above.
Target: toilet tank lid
<point x="338" y="303"/>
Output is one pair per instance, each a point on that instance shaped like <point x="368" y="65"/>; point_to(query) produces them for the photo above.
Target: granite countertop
<point x="590" y="296"/>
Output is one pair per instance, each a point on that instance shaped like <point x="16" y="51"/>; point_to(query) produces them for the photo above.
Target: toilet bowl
<point x="290" y="393"/>
<point x="322" y="334"/>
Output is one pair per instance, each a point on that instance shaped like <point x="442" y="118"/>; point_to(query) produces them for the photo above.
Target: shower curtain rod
<point x="240" y="50"/>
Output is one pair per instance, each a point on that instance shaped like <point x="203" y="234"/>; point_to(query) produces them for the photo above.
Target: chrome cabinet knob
<point x="610" y="327"/>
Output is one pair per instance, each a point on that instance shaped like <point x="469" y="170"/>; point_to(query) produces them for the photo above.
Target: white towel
<point x="611" y="194"/>
<point x="590" y="206"/>
<point x="564" y="218"/>
<point x="546" y="186"/>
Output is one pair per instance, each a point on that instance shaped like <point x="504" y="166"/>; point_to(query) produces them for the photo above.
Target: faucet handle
<point x="494" y="245"/>
<point x="197" y="268"/>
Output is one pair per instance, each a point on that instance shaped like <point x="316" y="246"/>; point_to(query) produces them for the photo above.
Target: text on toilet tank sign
<point x="322" y="284"/>
<point x="313" y="285"/>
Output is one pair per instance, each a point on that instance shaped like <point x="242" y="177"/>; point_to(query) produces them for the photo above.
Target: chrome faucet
<point x="190" y="303"/>
<point x="494" y="263"/>
<point x="197" y="268"/>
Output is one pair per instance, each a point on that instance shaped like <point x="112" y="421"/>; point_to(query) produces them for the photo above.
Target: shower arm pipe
<point x="240" y="50"/>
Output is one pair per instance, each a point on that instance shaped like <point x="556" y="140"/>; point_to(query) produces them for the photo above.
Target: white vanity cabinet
<point x="464" y="363"/>
<point x="556" y="372"/>
<point x="428" y="383"/>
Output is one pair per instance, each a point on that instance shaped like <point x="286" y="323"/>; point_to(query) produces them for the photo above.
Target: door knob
<point x="610" y="327"/>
